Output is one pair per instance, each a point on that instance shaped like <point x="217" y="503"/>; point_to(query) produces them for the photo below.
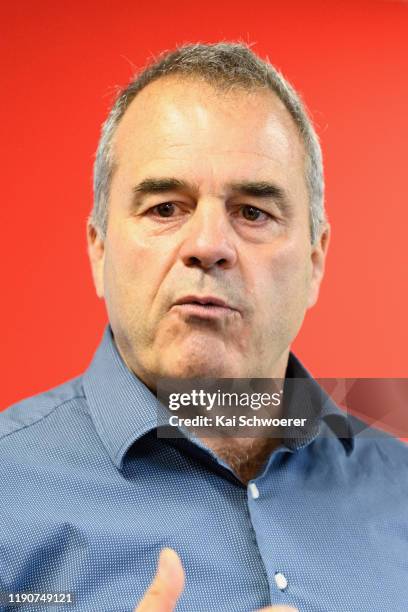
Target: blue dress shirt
<point x="89" y="495"/>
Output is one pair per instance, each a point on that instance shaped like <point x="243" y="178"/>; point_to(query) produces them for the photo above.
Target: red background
<point x="60" y="65"/>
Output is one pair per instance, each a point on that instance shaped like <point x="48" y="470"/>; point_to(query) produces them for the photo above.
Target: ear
<point x="96" y="253"/>
<point x="318" y="259"/>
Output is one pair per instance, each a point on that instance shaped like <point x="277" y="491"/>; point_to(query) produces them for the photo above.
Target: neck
<point x="245" y="456"/>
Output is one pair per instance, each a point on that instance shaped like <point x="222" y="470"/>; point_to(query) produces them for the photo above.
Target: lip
<point x="204" y="307"/>
<point x="204" y="299"/>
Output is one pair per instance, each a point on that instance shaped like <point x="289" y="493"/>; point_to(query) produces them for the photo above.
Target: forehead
<point x="189" y="126"/>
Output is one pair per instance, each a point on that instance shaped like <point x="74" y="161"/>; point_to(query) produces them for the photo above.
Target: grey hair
<point x="224" y="65"/>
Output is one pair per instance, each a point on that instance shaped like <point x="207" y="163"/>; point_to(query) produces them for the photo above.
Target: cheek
<point x="135" y="267"/>
<point x="282" y="281"/>
<point x="126" y="273"/>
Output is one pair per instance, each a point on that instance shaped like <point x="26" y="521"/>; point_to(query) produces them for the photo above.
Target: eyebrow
<point x="160" y="185"/>
<point x="254" y="189"/>
<point x="259" y="189"/>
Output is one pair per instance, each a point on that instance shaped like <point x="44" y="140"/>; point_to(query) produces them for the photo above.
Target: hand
<point x="168" y="584"/>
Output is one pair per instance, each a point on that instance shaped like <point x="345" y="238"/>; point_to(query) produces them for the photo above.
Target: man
<point x="207" y="242"/>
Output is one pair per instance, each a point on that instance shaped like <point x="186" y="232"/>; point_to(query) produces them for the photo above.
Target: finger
<point x="167" y="585"/>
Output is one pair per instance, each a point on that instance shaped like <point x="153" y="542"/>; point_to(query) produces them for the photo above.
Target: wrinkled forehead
<point x="196" y="127"/>
<point x="173" y="106"/>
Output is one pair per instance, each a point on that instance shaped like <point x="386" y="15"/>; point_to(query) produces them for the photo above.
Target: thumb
<point x="167" y="585"/>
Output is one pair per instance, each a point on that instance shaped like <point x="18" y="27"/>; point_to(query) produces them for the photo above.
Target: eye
<point x="164" y="210"/>
<point x="251" y="213"/>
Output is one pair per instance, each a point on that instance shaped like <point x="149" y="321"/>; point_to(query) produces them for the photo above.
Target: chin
<point x="192" y="365"/>
<point x="200" y="369"/>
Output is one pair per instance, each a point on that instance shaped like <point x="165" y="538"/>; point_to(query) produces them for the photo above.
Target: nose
<point x="209" y="241"/>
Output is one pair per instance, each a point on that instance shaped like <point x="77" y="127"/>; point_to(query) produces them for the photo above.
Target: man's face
<point x="208" y="202"/>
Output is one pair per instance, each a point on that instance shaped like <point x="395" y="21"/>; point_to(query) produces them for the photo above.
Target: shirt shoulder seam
<point x="42" y="417"/>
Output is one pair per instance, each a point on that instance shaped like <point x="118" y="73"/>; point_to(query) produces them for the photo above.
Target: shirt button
<point x="281" y="581"/>
<point x="254" y="490"/>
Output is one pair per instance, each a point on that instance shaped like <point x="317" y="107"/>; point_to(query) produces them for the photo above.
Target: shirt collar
<point x="121" y="406"/>
<point x="123" y="409"/>
<point x="323" y="414"/>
